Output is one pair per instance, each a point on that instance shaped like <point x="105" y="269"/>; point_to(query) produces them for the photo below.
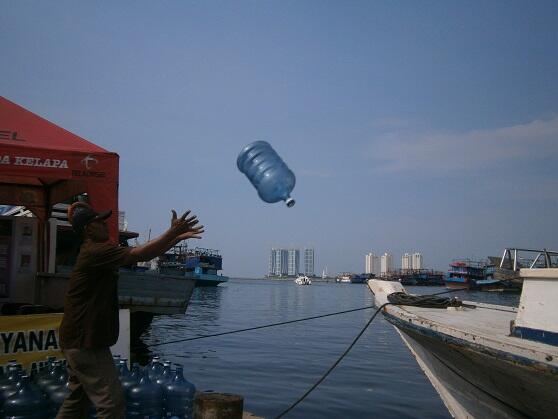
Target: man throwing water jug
<point x="90" y="323"/>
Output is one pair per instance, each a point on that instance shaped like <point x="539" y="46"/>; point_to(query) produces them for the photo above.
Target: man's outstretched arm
<point x="181" y="229"/>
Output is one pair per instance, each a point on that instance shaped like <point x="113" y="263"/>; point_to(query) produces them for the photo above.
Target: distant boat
<point x="486" y="361"/>
<point x="471" y="275"/>
<point x="345" y="277"/>
<point x="199" y="263"/>
<point x="303" y="280"/>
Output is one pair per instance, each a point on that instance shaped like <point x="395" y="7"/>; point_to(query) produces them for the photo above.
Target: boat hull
<point x="477" y="382"/>
<point x="206" y="280"/>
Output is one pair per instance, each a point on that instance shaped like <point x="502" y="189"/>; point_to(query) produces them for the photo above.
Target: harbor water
<point x="273" y="367"/>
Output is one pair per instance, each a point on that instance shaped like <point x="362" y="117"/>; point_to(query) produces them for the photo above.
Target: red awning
<point x="42" y="164"/>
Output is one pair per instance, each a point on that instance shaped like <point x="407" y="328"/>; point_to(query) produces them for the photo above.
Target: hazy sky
<point x="410" y="125"/>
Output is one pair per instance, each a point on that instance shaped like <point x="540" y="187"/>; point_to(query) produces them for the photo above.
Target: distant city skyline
<point x="286" y="262"/>
<point x="408" y="125"/>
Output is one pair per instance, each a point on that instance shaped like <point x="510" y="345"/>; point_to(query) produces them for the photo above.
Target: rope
<point x="258" y="327"/>
<point x="399" y="298"/>
<point x="428" y="301"/>
<point x="324" y="376"/>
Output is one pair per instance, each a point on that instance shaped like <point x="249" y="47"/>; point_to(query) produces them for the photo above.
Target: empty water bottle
<point x="57" y="398"/>
<point x="136" y="371"/>
<point x="179" y="396"/>
<point x="144" y="400"/>
<point x="26" y="403"/>
<point x="56" y="370"/>
<point x="269" y="174"/>
<point x="8" y="385"/>
<point x="155" y="368"/>
<point x="166" y="376"/>
<point x="126" y="378"/>
<point x="60" y="381"/>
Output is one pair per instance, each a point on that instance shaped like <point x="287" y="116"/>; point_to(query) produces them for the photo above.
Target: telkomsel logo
<point x="89" y="161"/>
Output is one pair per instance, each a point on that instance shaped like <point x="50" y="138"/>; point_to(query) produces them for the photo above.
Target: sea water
<point x="272" y="367"/>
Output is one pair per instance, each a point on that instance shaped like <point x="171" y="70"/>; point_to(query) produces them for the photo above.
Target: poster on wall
<point x="30" y="339"/>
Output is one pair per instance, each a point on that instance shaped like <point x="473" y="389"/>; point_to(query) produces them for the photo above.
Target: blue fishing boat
<point x="199" y="263"/>
<point x="471" y="274"/>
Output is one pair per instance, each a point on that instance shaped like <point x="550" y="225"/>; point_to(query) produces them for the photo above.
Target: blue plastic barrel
<point x="267" y="172"/>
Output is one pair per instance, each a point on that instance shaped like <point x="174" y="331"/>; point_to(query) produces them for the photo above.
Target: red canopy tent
<point x="42" y="164"/>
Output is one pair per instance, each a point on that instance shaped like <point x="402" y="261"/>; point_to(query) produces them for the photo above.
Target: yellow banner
<point x="29" y="339"/>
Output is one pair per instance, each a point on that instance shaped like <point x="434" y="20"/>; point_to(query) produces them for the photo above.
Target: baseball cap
<point x="80" y="214"/>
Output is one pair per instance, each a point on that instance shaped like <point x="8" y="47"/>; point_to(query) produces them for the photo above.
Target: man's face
<point x="97" y="231"/>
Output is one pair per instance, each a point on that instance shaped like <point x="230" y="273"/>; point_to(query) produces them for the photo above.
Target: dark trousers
<point x="93" y="378"/>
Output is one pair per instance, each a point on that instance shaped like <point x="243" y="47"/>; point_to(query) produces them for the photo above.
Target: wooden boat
<point x="486" y="361"/>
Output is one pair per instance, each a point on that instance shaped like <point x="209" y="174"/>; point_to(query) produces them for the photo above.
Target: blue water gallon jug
<point x="60" y="380"/>
<point x="126" y="378"/>
<point x="166" y="376"/>
<point x="135" y="373"/>
<point x="269" y="174"/>
<point x="155" y="368"/>
<point x="43" y="369"/>
<point x="26" y="403"/>
<point x="55" y="371"/>
<point x="145" y="399"/>
<point x="179" y="396"/>
<point x="56" y="399"/>
<point x="8" y="385"/>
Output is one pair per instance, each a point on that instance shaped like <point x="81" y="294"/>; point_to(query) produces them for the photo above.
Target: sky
<point x="427" y="126"/>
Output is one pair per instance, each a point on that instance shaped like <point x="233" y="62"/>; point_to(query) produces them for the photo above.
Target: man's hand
<point x="185" y="227"/>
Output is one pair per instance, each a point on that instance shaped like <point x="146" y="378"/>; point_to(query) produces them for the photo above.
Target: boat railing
<point x="514" y="259"/>
<point x="184" y="250"/>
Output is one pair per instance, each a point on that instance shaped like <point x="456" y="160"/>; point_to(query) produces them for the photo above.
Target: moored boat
<point x="486" y="360"/>
<point x="345" y="277"/>
<point x="303" y="280"/>
<point x="471" y="274"/>
<point x="199" y="263"/>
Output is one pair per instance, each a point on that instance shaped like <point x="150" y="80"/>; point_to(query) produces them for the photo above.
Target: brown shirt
<point x="91" y="305"/>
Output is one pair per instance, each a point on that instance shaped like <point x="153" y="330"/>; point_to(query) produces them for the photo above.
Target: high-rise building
<point x="309" y="262"/>
<point x="293" y="262"/>
<point x="271" y="269"/>
<point x="417" y="261"/>
<point x="406" y="262"/>
<point x="371" y="264"/>
<point x="386" y="262"/>
<point x="278" y="262"/>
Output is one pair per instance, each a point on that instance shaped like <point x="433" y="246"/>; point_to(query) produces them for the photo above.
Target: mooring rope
<point x="324" y="376"/>
<point x="427" y="301"/>
<point x="167" y="342"/>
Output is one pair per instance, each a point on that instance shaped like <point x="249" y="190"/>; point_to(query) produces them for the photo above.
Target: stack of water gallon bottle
<point x="153" y="392"/>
